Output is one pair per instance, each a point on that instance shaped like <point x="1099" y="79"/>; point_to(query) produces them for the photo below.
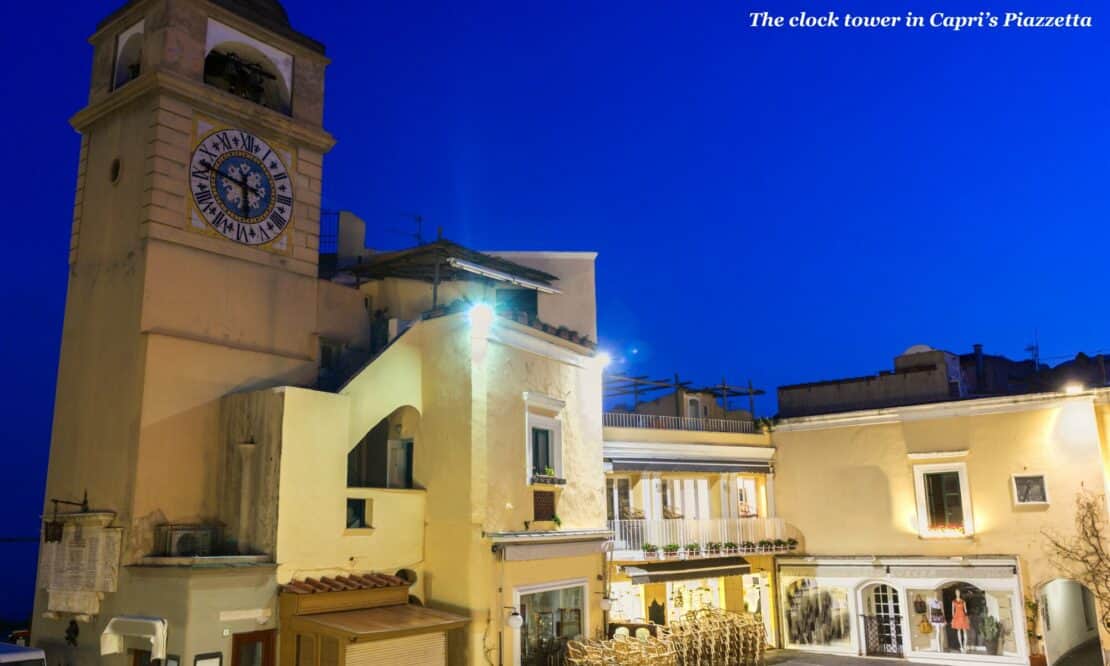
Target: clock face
<point x="240" y="186"/>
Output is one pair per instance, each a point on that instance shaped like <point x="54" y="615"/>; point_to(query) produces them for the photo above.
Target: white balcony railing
<point x="630" y="535"/>
<point x="656" y="422"/>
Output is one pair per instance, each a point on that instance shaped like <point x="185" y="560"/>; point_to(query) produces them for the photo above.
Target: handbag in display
<point x="919" y="605"/>
<point x="925" y="627"/>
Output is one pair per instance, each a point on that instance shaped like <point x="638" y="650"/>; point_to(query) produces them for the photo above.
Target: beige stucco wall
<point x="849" y="490"/>
<point x="575" y="307"/>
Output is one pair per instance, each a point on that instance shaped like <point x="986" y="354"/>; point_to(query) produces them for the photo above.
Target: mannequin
<point x="937" y="619"/>
<point x="960" y="620"/>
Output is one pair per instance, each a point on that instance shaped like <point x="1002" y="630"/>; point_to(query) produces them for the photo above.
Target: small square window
<point x="1030" y="489"/>
<point x="543" y="505"/>
<point x="359" y="513"/>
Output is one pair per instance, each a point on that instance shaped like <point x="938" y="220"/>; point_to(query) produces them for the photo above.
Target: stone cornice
<point x="208" y="100"/>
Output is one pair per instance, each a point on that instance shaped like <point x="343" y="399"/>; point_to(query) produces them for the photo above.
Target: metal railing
<point x="654" y="421"/>
<point x="631" y="535"/>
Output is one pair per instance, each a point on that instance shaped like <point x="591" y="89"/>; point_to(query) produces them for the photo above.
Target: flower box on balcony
<point x="548" y="480"/>
<point x="671" y="550"/>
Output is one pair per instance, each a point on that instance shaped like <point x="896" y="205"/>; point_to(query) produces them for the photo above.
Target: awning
<point x="668" y="570"/>
<point x="657" y="465"/>
<point x="134" y="626"/>
<point x="520" y="546"/>
<point x="375" y="624"/>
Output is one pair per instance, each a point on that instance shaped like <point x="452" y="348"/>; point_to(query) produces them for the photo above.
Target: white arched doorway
<point x="1069" y="623"/>
<point x="881" y="633"/>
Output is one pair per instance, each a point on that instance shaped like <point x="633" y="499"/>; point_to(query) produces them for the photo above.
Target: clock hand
<point x="240" y="183"/>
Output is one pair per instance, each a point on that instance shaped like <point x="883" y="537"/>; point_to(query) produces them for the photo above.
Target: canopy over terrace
<point x="442" y="260"/>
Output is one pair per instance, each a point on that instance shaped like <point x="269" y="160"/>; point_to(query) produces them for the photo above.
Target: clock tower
<point x="192" y="275"/>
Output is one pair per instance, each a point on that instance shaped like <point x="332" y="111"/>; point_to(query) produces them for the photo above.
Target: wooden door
<point x="254" y="648"/>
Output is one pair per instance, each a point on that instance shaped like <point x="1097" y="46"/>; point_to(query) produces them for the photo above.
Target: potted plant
<point x="792" y="543"/>
<point x="713" y="547"/>
<point x="780" y="544"/>
<point x="990" y="630"/>
<point x="558" y="521"/>
<point x="731" y="547"/>
<point x="671" y="550"/>
<point x="692" y="548"/>
<point x="650" y="550"/>
<point x="765" y="545"/>
<point x="1032" y="611"/>
<point x="749" y="547"/>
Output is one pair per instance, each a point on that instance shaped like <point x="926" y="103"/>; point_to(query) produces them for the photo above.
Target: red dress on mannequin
<point x="959" y="615"/>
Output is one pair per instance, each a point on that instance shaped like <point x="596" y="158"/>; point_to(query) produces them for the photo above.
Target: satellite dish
<point x="917" y="349"/>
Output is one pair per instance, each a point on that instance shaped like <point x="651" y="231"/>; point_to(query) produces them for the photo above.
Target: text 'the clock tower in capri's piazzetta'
<point x="192" y="275"/>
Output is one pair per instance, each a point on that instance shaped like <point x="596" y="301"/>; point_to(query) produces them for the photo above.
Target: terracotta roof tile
<point x="343" y="583"/>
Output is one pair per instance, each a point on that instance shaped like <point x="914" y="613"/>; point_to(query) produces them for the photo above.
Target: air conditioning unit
<point x="176" y="540"/>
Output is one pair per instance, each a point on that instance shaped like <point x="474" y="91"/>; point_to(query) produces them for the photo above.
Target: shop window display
<point x="628" y="602"/>
<point x="691" y="595"/>
<point x="816" y="615"/>
<point x="551" y="618"/>
<point x="963" y="618"/>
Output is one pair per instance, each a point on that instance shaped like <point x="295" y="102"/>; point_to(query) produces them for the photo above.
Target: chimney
<point x="980" y="373"/>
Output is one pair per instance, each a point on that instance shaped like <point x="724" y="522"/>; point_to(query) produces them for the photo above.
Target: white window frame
<point x="555" y="426"/>
<point x="1023" y="475"/>
<point x="919" y="472"/>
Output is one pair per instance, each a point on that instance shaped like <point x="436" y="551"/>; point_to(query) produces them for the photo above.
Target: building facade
<point x="690" y="501"/>
<point x="924" y="528"/>
<point x="254" y="464"/>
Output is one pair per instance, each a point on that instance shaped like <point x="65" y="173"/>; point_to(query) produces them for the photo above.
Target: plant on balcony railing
<point x="749" y="546"/>
<point x="713" y="548"/>
<point x="730" y="547"/>
<point x="671" y="550"/>
<point x="766" y="545"/>
<point x="792" y="544"/>
<point x="650" y="550"/>
<point x="692" y="548"/>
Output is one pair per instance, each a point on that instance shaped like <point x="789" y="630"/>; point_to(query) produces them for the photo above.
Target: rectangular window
<point x="551" y="618"/>
<point x="359" y="513"/>
<point x="619" y="496"/>
<point x="517" y="301"/>
<point x="1030" y="489"/>
<point x="943" y="500"/>
<point x="399" y="464"/>
<point x="544" y="451"/>
<point x="542" y="460"/>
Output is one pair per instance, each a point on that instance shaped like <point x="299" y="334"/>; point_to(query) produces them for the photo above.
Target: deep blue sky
<point x="780" y="205"/>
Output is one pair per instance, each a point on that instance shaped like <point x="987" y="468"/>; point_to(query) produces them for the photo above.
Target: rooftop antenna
<point x="1035" y="351"/>
<point x="418" y="221"/>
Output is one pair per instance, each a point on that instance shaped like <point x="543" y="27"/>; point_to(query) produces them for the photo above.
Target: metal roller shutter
<point x="420" y="650"/>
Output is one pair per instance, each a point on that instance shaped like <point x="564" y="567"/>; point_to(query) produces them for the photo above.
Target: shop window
<point x="359" y="513"/>
<point x="963" y="618"/>
<point x="551" y="618"/>
<point x="1030" y="489"/>
<point x="816" y="614"/>
<point x="943" y="500"/>
<point x="545" y="450"/>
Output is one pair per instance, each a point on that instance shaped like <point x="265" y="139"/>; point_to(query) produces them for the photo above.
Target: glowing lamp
<point x="481" y="315"/>
<point x="604" y="359"/>
<point x="515" y="620"/>
<point x="1073" y="388"/>
<point x="606" y="604"/>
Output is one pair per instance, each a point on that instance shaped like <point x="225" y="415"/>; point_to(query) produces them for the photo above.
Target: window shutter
<point x="543" y="505"/>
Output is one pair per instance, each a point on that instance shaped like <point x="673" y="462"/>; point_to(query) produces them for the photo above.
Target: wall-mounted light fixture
<point x="515" y="620"/>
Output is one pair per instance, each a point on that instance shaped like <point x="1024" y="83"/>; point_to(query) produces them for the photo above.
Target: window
<point x="544" y="452"/>
<point x="1030" y="489"/>
<point x="517" y="301"/>
<point x="747" y="504"/>
<point x="255" y="648"/>
<point x="943" y="500"/>
<point x="619" y="504"/>
<point x="129" y="56"/>
<point x="359" y="513"/>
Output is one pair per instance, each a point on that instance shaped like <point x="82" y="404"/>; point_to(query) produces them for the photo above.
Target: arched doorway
<point x="882" y="620"/>
<point x="1069" y="624"/>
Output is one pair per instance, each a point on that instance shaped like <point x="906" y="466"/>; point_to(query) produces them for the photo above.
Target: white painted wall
<point x="1067" y="622"/>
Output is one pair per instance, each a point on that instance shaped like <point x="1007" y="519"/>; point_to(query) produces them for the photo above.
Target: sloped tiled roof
<point x="366" y="581"/>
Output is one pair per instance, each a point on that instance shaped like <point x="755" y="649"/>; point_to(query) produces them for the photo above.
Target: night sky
<point x="784" y="206"/>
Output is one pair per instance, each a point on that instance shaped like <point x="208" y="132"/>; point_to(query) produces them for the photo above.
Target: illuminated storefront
<point x="939" y="610"/>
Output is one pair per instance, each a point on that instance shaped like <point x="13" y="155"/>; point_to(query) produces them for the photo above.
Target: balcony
<point x="630" y="536"/>
<point x="655" y="422"/>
